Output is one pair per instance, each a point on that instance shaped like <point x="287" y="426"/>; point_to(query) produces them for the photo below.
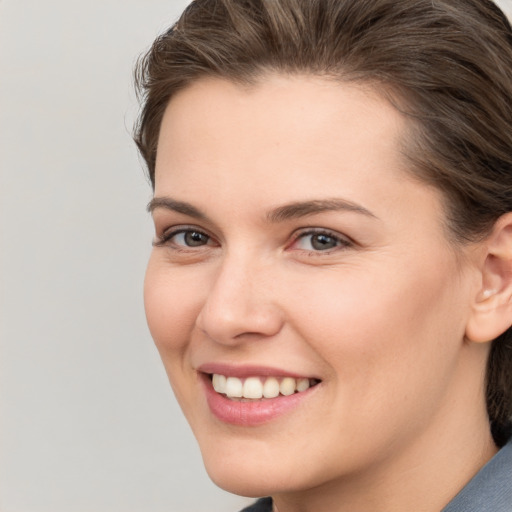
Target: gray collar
<point x="491" y="488"/>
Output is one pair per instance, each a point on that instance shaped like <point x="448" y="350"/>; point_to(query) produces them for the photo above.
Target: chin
<point x="241" y="483"/>
<point x="242" y="479"/>
<point x="260" y="465"/>
<point x="241" y="466"/>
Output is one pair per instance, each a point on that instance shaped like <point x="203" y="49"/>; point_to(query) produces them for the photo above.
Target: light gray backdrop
<point x="87" y="419"/>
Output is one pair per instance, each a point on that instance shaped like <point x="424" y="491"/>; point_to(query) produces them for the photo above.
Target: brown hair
<point x="445" y="64"/>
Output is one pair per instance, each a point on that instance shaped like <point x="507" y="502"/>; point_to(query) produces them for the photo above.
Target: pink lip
<point x="247" y="371"/>
<point x="253" y="413"/>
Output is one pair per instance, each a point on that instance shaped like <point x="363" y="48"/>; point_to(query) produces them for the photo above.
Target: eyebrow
<point x="305" y="208"/>
<point x="280" y="214"/>
<point x="177" y="206"/>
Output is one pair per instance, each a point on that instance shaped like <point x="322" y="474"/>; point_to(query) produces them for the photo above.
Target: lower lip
<point x="253" y="413"/>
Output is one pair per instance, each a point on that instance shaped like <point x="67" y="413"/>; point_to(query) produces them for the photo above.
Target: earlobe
<point x="491" y="313"/>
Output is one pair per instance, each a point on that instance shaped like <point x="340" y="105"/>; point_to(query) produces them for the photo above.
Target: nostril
<point x="228" y="325"/>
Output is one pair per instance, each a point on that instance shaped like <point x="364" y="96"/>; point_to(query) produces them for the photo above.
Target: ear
<point x="491" y="313"/>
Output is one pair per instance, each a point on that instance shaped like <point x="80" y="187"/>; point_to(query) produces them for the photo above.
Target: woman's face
<point x="294" y="254"/>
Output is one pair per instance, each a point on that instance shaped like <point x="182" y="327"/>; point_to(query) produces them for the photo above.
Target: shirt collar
<point x="490" y="488"/>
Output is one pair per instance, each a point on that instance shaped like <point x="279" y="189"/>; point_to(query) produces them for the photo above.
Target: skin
<point x="398" y="422"/>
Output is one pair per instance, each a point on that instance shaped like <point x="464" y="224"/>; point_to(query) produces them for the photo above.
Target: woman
<point x="330" y="285"/>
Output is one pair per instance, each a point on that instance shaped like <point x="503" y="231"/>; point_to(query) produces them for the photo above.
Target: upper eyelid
<point x="170" y="232"/>
<point x="168" y="219"/>
<point x="180" y="228"/>
<point x="321" y="231"/>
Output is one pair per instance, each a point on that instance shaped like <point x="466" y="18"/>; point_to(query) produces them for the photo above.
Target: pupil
<point x="323" y="242"/>
<point x="194" y="239"/>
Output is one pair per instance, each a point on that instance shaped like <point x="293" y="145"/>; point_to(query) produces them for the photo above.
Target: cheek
<point x="170" y="305"/>
<point x="373" y="329"/>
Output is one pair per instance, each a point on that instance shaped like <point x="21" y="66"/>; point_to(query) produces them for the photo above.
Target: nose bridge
<point x="239" y="301"/>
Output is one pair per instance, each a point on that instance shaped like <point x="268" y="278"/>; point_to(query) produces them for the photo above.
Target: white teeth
<point x="233" y="387"/>
<point x="271" y="388"/>
<point x="302" y="385"/>
<point x="255" y="388"/>
<point x="287" y="386"/>
<point x="219" y="383"/>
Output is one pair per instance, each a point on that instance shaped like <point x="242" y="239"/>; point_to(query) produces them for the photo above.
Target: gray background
<point x="87" y="418"/>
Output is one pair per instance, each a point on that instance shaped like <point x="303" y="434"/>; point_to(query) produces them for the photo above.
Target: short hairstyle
<point x="446" y="65"/>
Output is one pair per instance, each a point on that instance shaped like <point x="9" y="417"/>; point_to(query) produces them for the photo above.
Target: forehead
<point x="307" y="117"/>
<point x="286" y="103"/>
<point x="285" y="139"/>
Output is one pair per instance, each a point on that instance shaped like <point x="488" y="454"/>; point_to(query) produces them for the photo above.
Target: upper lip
<point x="245" y="371"/>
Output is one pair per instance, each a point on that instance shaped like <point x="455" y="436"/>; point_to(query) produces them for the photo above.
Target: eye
<point x="191" y="238"/>
<point x="318" y="241"/>
<point x="184" y="238"/>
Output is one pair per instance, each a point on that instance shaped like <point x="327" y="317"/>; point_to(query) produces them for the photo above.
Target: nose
<point x="239" y="304"/>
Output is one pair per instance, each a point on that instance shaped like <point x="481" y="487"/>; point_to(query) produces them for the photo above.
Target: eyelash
<point x="342" y="242"/>
<point x="167" y="236"/>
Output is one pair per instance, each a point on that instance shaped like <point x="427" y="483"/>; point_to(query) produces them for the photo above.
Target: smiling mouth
<point x="259" y="388"/>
